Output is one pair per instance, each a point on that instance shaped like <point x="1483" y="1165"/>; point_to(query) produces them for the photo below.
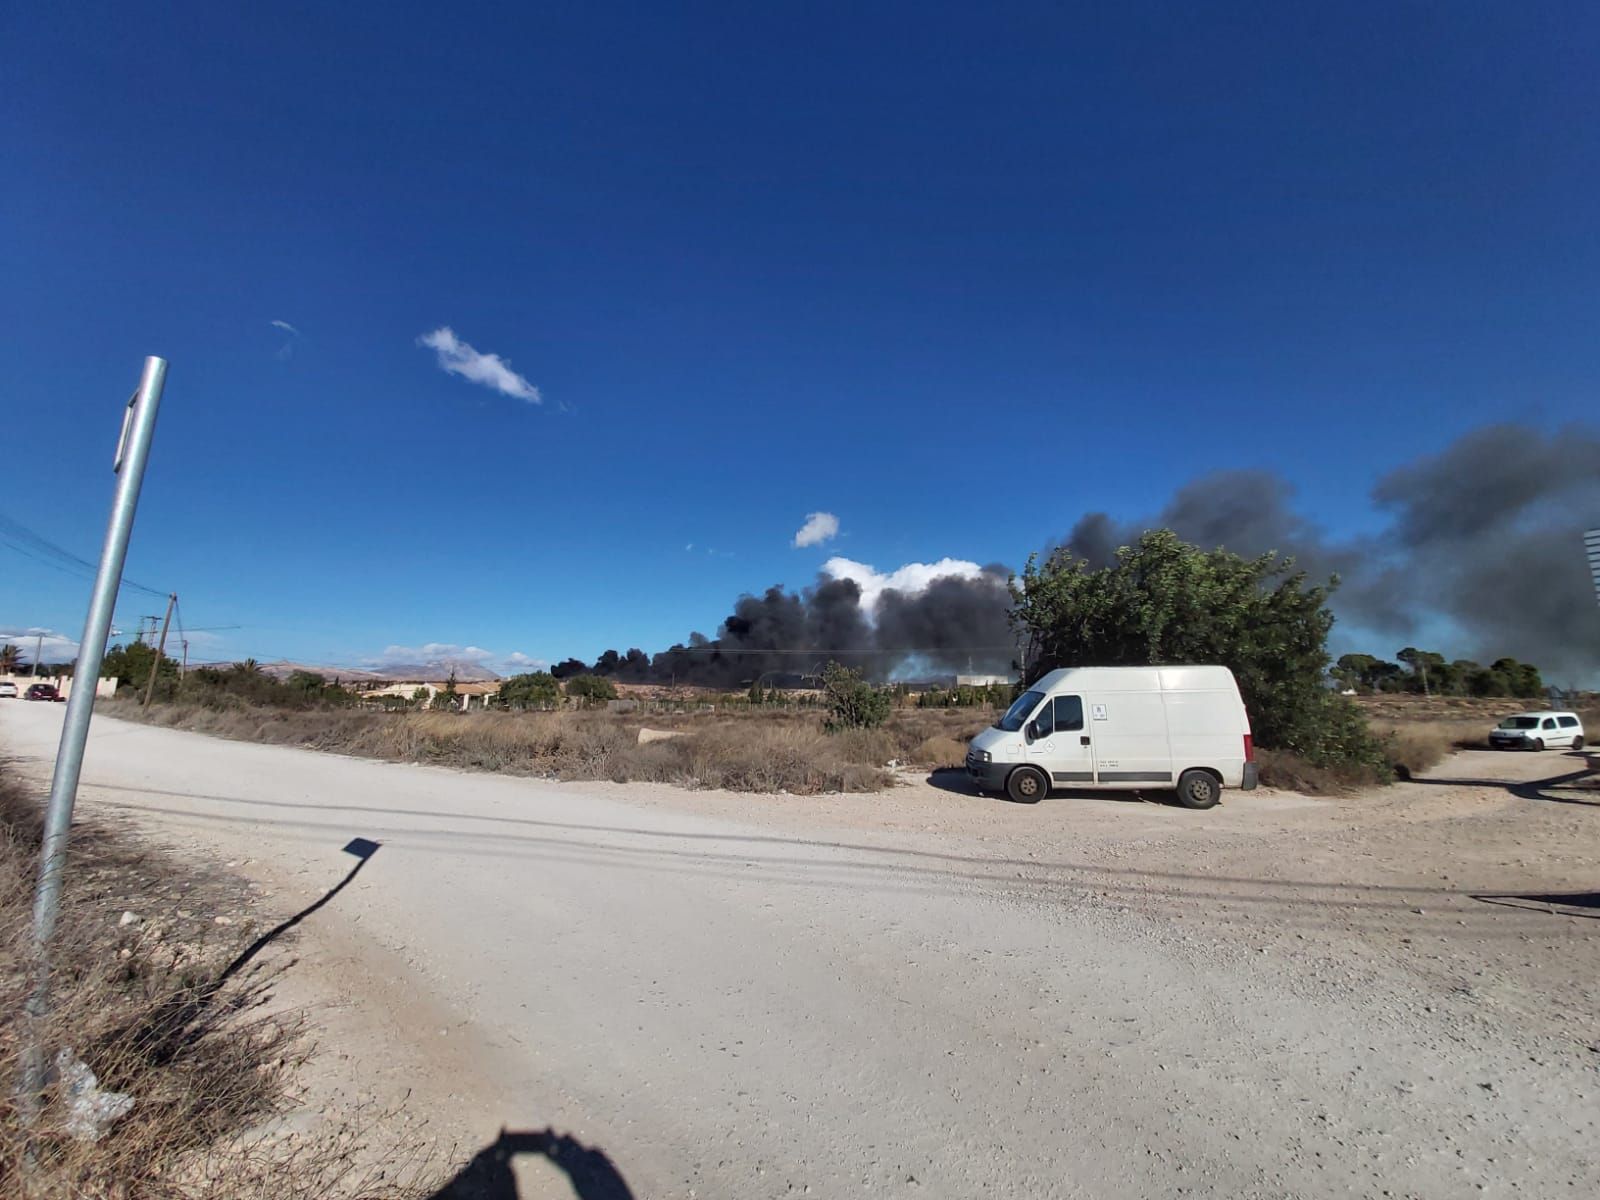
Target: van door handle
<point x="1084" y="740"/>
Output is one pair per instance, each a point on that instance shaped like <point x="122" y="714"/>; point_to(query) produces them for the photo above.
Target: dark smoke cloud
<point x="952" y="625"/>
<point x="1489" y="534"/>
<point x="1482" y="558"/>
<point x="1483" y="553"/>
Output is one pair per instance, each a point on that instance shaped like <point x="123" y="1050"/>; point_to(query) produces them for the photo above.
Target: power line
<point x="41" y="549"/>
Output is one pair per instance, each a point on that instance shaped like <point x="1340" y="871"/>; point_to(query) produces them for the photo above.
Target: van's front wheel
<point x="1198" y="789"/>
<point x="1027" y="785"/>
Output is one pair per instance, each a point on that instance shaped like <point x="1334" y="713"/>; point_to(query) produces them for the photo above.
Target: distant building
<point x="985" y="680"/>
<point x="470" y="694"/>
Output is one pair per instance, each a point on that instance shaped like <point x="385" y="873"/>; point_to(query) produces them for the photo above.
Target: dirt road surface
<point x="927" y="993"/>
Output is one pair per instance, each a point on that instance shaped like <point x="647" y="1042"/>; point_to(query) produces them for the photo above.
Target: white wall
<point x="103" y="688"/>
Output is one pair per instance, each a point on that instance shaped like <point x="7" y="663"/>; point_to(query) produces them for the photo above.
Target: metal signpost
<point x="133" y="452"/>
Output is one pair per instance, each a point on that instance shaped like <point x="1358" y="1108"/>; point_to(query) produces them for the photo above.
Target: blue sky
<point x="953" y="274"/>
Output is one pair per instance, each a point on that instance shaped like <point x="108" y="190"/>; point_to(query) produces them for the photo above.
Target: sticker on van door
<point x="1099" y="712"/>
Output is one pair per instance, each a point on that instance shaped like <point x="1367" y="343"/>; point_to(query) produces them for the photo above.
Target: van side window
<point x="1069" y="713"/>
<point x="1549" y="722"/>
<point x="1044" y="723"/>
<point x="1569" y="722"/>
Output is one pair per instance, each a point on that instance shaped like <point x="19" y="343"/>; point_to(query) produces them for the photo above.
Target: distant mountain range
<point x="435" y="671"/>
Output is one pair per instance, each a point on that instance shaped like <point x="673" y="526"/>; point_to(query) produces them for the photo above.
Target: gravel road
<point x="925" y="993"/>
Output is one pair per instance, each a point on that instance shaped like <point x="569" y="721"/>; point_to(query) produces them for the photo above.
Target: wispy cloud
<point x="431" y="652"/>
<point x="458" y="358"/>
<point x="819" y="527"/>
<point x="286" y="350"/>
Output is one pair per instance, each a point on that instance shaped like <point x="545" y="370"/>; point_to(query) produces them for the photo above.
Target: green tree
<point x="308" y="682"/>
<point x="1165" y="601"/>
<point x="538" y="689"/>
<point x="419" y="696"/>
<point x="1429" y="671"/>
<point x="853" y="703"/>
<point x="591" y="689"/>
<point x="1520" y="679"/>
<point x="10" y="659"/>
<point x="447" y="698"/>
<point x="1366" y="673"/>
<point x="131" y="665"/>
<point x="1353" y="671"/>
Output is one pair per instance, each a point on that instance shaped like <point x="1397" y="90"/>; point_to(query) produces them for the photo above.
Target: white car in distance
<point x="1538" y="731"/>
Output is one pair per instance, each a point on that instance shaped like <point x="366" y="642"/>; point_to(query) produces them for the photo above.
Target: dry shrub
<point x="761" y="757"/>
<point x="1286" y="770"/>
<point x="939" y="751"/>
<point x="745" y="753"/>
<point x="1414" y="747"/>
<point x="153" y="1011"/>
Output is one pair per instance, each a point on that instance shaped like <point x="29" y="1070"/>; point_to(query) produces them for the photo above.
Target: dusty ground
<point x="923" y="992"/>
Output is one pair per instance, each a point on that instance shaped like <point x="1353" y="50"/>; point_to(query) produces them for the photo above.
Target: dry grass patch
<point x="938" y="752"/>
<point x="1286" y="770"/>
<point x="150" y="1007"/>
<point x="760" y="753"/>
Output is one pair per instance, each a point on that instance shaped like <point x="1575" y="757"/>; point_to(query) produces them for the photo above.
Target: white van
<point x="1121" y="729"/>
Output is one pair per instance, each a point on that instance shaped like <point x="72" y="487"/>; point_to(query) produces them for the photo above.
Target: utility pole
<point x="133" y="453"/>
<point x="161" y="648"/>
<point x="38" y="649"/>
<point x="183" y="667"/>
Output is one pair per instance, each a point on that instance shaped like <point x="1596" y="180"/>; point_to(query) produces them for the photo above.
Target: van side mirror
<point x="1031" y="731"/>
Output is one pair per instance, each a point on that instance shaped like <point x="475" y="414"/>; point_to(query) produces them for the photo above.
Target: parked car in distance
<point x="42" y="691"/>
<point x="8" y="690"/>
<point x="1538" y="730"/>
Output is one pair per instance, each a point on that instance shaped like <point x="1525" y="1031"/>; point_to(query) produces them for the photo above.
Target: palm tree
<point x="248" y="667"/>
<point x="10" y="659"/>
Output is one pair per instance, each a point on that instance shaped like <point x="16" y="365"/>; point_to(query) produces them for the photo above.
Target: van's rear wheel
<point x="1027" y="785"/>
<point x="1577" y="743"/>
<point x="1198" y="789"/>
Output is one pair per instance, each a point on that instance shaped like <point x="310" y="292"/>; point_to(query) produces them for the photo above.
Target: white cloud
<point x="492" y="371"/>
<point x="57" y="647"/>
<point x="286" y="351"/>
<point x="452" y="652"/>
<point x="819" y="527"/>
<point x="911" y="578"/>
<point x="432" y="652"/>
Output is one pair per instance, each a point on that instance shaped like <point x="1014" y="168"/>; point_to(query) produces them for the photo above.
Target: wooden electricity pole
<point x="161" y="647"/>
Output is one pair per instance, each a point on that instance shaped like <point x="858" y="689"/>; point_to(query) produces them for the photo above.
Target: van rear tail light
<point x="1249" y="748"/>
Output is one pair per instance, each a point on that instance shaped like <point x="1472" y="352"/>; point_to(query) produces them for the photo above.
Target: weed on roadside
<point x="142" y="995"/>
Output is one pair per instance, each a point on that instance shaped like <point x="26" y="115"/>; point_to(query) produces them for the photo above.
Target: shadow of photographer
<point x="489" y="1175"/>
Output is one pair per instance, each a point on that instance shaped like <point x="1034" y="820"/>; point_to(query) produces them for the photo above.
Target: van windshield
<point x="1018" y="712"/>
<point x="1520" y="723"/>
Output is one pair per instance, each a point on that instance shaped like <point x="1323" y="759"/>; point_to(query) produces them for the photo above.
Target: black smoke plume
<point x="1482" y="558"/>
<point x="952" y="625"/>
